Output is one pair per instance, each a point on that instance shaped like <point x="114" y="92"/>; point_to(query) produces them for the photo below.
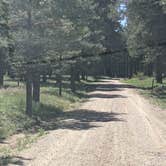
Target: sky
<point x="124" y="19"/>
<point x="124" y="22"/>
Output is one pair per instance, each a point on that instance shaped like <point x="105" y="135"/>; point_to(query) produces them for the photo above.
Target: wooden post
<point x="29" y="94"/>
<point x="153" y="84"/>
<point x="36" y="87"/>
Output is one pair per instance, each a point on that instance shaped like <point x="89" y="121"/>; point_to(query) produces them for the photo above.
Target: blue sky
<point x="124" y="22"/>
<point x="124" y="19"/>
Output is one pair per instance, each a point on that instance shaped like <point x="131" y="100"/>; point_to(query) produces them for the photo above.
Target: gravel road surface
<point x="115" y="127"/>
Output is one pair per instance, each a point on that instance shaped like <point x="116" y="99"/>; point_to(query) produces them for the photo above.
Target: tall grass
<point x="144" y="85"/>
<point x="12" y="106"/>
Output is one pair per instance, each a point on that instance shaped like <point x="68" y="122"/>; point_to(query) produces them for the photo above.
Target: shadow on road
<point x="107" y="96"/>
<point x="117" y="87"/>
<point x="83" y="119"/>
<point x="52" y="118"/>
<point x="79" y="120"/>
<point x="14" y="160"/>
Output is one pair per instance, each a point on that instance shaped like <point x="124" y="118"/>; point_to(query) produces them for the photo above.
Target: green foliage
<point x="4" y="38"/>
<point x="146" y="33"/>
<point x="44" y="33"/>
<point x="12" y="107"/>
<point x="157" y="96"/>
<point x="12" y="116"/>
<point x="139" y="82"/>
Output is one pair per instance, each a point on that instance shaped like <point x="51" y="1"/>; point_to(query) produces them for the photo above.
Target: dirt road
<point x="116" y="127"/>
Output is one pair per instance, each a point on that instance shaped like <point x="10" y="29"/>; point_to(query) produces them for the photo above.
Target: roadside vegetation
<point x="12" y="106"/>
<point x="47" y="115"/>
<point x="48" y="49"/>
<point x="144" y="85"/>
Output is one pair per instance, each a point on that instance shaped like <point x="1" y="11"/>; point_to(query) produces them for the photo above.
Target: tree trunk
<point x="1" y="79"/>
<point x="36" y="88"/>
<point x="127" y="66"/>
<point x="60" y="87"/>
<point x="44" y="78"/>
<point x="131" y="69"/>
<point x="86" y="77"/>
<point x="18" y="82"/>
<point x="159" y="77"/>
<point x="148" y="70"/>
<point x="83" y="75"/>
<point x="78" y="76"/>
<point x="29" y="82"/>
<point x="72" y="79"/>
<point x="29" y="95"/>
<point x="60" y="76"/>
<point x="59" y="84"/>
<point x="153" y="84"/>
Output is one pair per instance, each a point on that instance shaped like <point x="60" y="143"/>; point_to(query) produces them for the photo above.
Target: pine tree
<point x="4" y="39"/>
<point x="146" y="34"/>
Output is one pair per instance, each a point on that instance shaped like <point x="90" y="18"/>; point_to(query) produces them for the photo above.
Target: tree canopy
<point x="40" y="38"/>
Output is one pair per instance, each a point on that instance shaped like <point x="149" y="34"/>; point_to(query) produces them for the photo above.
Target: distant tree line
<point x="146" y="37"/>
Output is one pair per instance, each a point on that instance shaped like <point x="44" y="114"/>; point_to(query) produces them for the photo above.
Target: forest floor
<point x="116" y="126"/>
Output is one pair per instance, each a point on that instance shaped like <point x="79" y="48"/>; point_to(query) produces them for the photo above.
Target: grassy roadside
<point x="47" y="114"/>
<point x="144" y="85"/>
